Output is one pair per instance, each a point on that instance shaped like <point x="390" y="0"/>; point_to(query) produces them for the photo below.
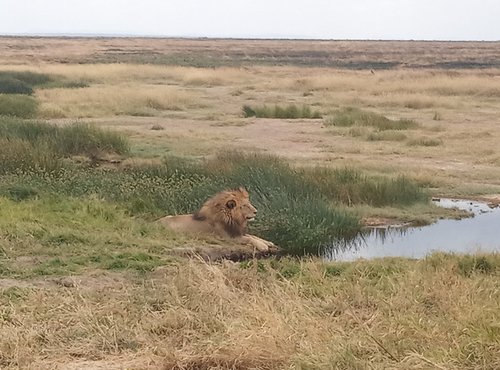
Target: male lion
<point x="225" y="215"/>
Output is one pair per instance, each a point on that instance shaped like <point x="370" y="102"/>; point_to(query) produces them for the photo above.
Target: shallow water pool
<point x="480" y="233"/>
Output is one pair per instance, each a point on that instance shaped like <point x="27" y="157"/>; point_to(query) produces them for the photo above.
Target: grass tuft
<point x="425" y="141"/>
<point x="290" y="111"/>
<point x="348" y="117"/>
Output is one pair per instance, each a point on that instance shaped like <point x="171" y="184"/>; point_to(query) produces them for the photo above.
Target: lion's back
<point x="186" y="224"/>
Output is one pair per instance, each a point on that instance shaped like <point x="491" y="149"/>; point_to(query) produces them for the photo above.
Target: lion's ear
<point x="243" y="191"/>
<point x="231" y="204"/>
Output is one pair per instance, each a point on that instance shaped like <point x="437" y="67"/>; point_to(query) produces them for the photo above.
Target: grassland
<point x="109" y="134"/>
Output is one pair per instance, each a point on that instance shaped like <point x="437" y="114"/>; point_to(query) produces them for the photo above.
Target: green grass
<point x="300" y="209"/>
<point x="18" y="105"/>
<point x="28" y="78"/>
<point x="349" y="117"/>
<point x="290" y="111"/>
<point x="29" y="144"/>
<point x="25" y="81"/>
<point x="64" y="235"/>
<point x="10" y="85"/>
<point x="351" y="187"/>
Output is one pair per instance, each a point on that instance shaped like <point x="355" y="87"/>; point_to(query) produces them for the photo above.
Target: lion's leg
<point x="258" y="243"/>
<point x="267" y="242"/>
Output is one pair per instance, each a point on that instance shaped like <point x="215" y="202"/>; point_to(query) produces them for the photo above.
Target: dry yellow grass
<point x="455" y="109"/>
<point x="103" y="100"/>
<point x="295" y="315"/>
<point x="388" y="314"/>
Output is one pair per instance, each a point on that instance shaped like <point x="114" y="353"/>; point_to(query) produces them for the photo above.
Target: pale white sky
<point x="348" y="19"/>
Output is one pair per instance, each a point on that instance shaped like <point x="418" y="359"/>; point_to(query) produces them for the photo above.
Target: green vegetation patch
<point x="290" y="111"/>
<point x="18" y="105"/>
<point x="425" y="141"/>
<point x="23" y="82"/>
<point x="348" y="117"/>
<point x="301" y="209"/>
<point x="10" y="85"/>
<point x="27" y="77"/>
<point x="351" y="187"/>
<point x="37" y="145"/>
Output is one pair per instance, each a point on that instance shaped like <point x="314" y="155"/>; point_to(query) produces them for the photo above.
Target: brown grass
<point x="295" y="315"/>
<point x="102" y="100"/>
<point x="387" y="314"/>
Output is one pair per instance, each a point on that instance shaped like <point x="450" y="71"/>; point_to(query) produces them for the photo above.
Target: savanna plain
<point x="101" y="137"/>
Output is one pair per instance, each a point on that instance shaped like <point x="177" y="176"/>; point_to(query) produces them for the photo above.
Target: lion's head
<point x="231" y="209"/>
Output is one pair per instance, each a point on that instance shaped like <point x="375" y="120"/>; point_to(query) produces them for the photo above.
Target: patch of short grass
<point x="291" y="111"/>
<point x="65" y="235"/>
<point x="348" y="117"/>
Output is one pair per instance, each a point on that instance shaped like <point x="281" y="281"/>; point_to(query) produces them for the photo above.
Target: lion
<point x="225" y="215"/>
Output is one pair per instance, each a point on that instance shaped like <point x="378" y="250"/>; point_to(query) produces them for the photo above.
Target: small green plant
<point x="248" y="111"/>
<point x="470" y="264"/>
<point x="348" y="117"/>
<point x="17" y="105"/>
<point x="290" y="111"/>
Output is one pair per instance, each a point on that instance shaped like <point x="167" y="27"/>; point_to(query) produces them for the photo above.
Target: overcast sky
<point x="348" y="19"/>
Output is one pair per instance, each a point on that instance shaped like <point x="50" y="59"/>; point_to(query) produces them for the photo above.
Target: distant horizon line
<point x="269" y="38"/>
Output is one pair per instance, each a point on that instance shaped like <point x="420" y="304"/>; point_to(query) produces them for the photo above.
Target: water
<point x="480" y="233"/>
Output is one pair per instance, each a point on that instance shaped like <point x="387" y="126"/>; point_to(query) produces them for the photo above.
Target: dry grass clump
<point x="98" y="101"/>
<point x="291" y="314"/>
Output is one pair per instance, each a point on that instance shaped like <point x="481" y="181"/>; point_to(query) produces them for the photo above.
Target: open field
<point x="99" y="137"/>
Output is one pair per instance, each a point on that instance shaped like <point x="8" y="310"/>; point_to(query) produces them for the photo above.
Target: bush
<point x="17" y="105"/>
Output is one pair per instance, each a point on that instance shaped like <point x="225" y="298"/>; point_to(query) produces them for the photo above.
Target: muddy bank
<point x="213" y="253"/>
